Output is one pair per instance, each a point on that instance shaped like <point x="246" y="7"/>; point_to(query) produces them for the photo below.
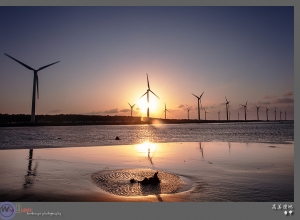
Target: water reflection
<point x="201" y="149"/>
<point x="147" y="148"/>
<point x="30" y="176"/>
<point x="229" y="146"/>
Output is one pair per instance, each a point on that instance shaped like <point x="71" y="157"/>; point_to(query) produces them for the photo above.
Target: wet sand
<point x="209" y="171"/>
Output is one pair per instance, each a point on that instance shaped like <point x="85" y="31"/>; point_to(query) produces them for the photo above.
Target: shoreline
<point x="153" y="121"/>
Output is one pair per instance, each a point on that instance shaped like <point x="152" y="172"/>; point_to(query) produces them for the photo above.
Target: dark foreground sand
<point x="208" y="171"/>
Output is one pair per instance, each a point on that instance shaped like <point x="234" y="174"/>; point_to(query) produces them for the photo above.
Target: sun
<point x="143" y="105"/>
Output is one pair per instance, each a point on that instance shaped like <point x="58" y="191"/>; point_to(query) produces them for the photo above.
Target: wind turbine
<point x="148" y="90"/>
<point x="35" y="83"/>
<point x="199" y="100"/>
<point x="227" y="107"/>
<point x="219" y="114"/>
<point x="188" y="110"/>
<point x="285" y="115"/>
<point x="131" y="106"/>
<point x="205" y="113"/>
<point x="267" y="111"/>
<point x="257" y="108"/>
<point x="238" y="115"/>
<point x="165" y="111"/>
<point x="280" y="114"/>
<point x="245" y="109"/>
<point x="275" y="113"/>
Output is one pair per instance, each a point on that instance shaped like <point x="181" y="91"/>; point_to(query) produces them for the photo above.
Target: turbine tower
<point x="238" y="115"/>
<point x="245" y="109"/>
<point x="205" y="113"/>
<point x="35" y="83"/>
<point x="219" y="114"/>
<point x="227" y="108"/>
<point x="257" y="108"/>
<point x="165" y="111"/>
<point x="285" y="115"/>
<point x="267" y="111"/>
<point x="199" y="100"/>
<point x="131" y="106"/>
<point x="188" y="110"/>
<point x="275" y="113"/>
<point x="280" y="114"/>
<point x="147" y="92"/>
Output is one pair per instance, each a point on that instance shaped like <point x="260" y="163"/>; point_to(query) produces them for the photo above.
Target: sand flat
<point x="212" y="171"/>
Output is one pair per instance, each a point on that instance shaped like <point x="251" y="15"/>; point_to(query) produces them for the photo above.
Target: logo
<point x="7" y="210"/>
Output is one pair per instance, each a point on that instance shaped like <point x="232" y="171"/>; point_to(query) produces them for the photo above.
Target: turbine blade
<point x="37" y="85"/>
<point x="148" y="82"/>
<point x="144" y="94"/>
<point x="154" y="94"/>
<point x="195" y="96"/>
<point x="133" y="105"/>
<point x="47" y="66"/>
<point x="201" y="94"/>
<point x="23" y="64"/>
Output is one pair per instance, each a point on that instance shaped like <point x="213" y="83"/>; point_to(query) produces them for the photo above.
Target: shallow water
<point x="101" y="135"/>
<point x="217" y="171"/>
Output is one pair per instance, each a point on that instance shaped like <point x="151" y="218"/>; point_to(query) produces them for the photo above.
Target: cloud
<point x="54" y="111"/>
<point x="284" y="100"/>
<point x="268" y="97"/>
<point x="264" y="103"/>
<point x="180" y="106"/>
<point x="125" y="110"/>
<point x="114" y="110"/>
<point x="290" y="93"/>
<point x="93" y="113"/>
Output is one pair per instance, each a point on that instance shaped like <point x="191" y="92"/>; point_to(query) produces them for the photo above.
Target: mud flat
<point x="189" y="172"/>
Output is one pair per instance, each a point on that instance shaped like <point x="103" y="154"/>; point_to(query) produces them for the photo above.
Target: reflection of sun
<point x="143" y="105"/>
<point x="145" y="147"/>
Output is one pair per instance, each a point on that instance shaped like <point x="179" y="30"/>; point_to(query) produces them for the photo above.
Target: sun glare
<point x="145" y="147"/>
<point x="143" y="105"/>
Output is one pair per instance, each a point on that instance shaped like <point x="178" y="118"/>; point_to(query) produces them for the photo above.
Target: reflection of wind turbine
<point x="257" y="109"/>
<point x="201" y="149"/>
<point x="131" y="106"/>
<point x="29" y="178"/>
<point x="199" y="100"/>
<point x="229" y="146"/>
<point x="227" y="107"/>
<point x="165" y="111"/>
<point x="245" y="109"/>
<point x="35" y="84"/>
<point x="148" y="90"/>
<point x="267" y="111"/>
<point x="188" y="110"/>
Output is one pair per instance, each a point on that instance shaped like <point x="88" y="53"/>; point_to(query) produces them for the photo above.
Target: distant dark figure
<point x="117" y="138"/>
<point x="154" y="180"/>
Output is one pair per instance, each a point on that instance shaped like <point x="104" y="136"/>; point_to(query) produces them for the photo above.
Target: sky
<point x="243" y="53"/>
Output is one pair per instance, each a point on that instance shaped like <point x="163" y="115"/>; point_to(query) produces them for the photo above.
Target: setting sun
<point x="143" y="105"/>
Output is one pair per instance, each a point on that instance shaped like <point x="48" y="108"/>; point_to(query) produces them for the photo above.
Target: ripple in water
<point x="118" y="183"/>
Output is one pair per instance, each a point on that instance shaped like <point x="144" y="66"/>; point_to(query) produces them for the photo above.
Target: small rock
<point x="117" y="138"/>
